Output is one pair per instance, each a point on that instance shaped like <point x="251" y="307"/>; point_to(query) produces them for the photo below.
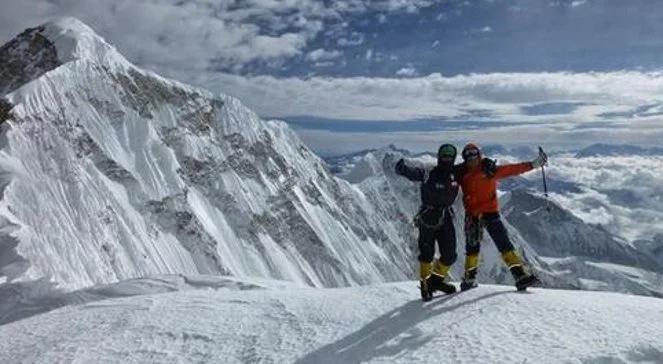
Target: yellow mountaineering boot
<point x="436" y="281"/>
<point x="470" y="278"/>
<point x="425" y="270"/>
<point x="440" y="268"/>
<point x="511" y="259"/>
<point x="515" y="264"/>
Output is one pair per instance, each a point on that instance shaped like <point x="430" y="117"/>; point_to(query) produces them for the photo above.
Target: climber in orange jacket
<point x="478" y="182"/>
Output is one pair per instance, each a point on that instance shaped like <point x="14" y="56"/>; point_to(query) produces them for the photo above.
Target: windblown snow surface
<point x="227" y="320"/>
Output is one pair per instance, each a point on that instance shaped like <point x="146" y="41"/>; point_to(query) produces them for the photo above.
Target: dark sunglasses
<point x="470" y="154"/>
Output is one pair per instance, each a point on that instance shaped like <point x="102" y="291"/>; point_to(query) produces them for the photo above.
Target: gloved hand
<point x="541" y="160"/>
<point x="489" y="166"/>
<point x="400" y="166"/>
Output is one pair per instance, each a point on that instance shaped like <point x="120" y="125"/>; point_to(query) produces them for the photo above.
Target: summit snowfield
<point x="244" y="321"/>
<point x="110" y="172"/>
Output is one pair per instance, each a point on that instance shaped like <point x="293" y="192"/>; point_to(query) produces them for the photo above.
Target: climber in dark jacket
<point x="439" y="189"/>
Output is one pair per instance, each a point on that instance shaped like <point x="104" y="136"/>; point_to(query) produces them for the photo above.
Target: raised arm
<point x="515" y="169"/>
<point x="509" y="170"/>
<point x="412" y="173"/>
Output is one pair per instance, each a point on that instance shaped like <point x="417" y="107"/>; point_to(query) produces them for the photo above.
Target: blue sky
<point x="352" y="74"/>
<point x="460" y="37"/>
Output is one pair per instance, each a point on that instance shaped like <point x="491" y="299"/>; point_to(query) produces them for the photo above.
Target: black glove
<point x="489" y="167"/>
<point x="400" y="166"/>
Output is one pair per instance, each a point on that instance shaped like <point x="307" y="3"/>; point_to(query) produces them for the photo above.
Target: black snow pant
<point x="474" y="233"/>
<point x="445" y="235"/>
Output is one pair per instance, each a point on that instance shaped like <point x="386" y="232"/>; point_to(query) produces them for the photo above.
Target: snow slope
<point x="109" y="172"/>
<point x="275" y="322"/>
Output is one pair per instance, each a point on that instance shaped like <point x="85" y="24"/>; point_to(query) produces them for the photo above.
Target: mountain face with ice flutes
<point x="109" y="172"/>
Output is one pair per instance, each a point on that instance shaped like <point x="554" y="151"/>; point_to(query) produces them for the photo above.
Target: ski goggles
<point x="447" y="152"/>
<point x="469" y="154"/>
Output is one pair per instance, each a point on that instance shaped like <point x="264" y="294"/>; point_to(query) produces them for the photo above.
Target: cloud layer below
<point x="623" y="194"/>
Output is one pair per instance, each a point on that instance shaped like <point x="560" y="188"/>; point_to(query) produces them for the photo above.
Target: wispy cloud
<point x="408" y="71"/>
<point x="566" y="98"/>
<point x="320" y="54"/>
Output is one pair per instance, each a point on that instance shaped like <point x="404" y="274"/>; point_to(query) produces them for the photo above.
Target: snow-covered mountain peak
<point x="72" y="47"/>
<point x="48" y="46"/>
<point x="74" y="40"/>
<point x="110" y="172"/>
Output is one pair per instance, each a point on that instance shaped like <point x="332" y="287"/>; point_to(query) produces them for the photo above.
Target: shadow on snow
<point x="369" y="341"/>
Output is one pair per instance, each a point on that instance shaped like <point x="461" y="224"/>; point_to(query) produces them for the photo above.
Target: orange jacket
<point x="480" y="191"/>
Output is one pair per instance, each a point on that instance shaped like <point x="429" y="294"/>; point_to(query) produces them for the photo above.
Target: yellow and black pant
<point x="474" y="226"/>
<point x="445" y="236"/>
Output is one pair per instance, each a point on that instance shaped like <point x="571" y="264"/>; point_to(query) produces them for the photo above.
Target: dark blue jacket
<point x="439" y="185"/>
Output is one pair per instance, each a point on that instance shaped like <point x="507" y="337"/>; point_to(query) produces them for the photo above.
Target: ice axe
<point x="545" y="183"/>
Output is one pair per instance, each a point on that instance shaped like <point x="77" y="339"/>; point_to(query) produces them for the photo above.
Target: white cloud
<point x="623" y="194"/>
<point x="198" y="35"/>
<point x="567" y="3"/>
<point x="284" y="45"/>
<point x="323" y="55"/>
<point x="500" y="95"/>
<point x="408" y="71"/>
<point x="491" y="97"/>
<point x="192" y="35"/>
<point x="398" y="5"/>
